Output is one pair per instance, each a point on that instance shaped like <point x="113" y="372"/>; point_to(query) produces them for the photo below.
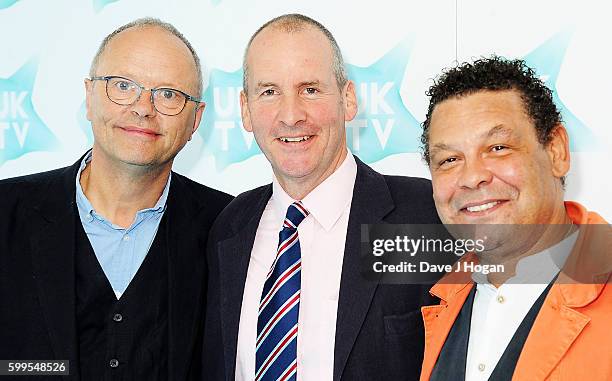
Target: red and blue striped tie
<point x="277" y="324"/>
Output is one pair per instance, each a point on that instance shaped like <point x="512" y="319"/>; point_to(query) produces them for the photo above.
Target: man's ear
<point x="199" y="111"/>
<point x="244" y="112"/>
<point x="558" y="151"/>
<point x="88" y="97"/>
<point x="350" y="101"/>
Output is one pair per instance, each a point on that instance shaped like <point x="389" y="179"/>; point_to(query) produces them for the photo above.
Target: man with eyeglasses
<point x="102" y="263"/>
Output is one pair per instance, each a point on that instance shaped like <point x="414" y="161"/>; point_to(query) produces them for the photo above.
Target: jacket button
<point x="117" y="317"/>
<point x="113" y="363"/>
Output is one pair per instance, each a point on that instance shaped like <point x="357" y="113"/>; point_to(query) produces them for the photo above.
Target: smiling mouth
<point x="297" y="139"/>
<point x="484" y="207"/>
<point x="140" y="131"/>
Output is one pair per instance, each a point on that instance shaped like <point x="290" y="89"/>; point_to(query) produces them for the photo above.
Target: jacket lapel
<point x="452" y="290"/>
<point x="52" y="250"/>
<point x="234" y="255"/>
<point x="371" y="203"/>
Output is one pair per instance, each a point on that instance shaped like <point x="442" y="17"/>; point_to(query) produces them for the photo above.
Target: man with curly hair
<point x="498" y="152"/>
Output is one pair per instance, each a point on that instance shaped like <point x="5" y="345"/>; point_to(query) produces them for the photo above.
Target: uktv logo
<point x="21" y="129"/>
<point x="221" y="126"/>
<point x="383" y="126"/>
<point x="546" y="59"/>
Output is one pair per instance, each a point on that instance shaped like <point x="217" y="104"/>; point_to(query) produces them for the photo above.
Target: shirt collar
<point x="84" y="204"/>
<point x="327" y="201"/>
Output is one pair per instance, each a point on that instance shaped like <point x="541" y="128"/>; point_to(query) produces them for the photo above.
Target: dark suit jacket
<point x="379" y="330"/>
<point x="37" y="277"/>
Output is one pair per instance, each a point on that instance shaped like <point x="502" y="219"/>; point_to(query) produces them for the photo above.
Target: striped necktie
<point x="277" y="323"/>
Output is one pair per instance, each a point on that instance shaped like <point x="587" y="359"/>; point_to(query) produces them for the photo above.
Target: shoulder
<point x="19" y="196"/>
<point x="24" y="187"/>
<point x="34" y="179"/>
<point x="244" y="202"/>
<point x="415" y="186"/>
<point x="243" y="209"/>
<point x="191" y="191"/>
<point x="412" y="196"/>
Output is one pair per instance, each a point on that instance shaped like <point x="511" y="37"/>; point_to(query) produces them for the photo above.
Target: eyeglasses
<point x="125" y="92"/>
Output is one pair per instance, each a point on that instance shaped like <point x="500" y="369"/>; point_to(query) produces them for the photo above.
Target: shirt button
<point x="126" y="237"/>
<point x="481" y="367"/>
<point x="117" y="317"/>
<point x="113" y="363"/>
<point x="501" y="299"/>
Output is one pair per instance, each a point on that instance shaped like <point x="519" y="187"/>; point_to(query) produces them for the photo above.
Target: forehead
<point x="468" y="116"/>
<point x="150" y="55"/>
<point x="277" y="53"/>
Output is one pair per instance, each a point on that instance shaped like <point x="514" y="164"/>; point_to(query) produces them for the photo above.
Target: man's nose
<point x="291" y="110"/>
<point x="474" y="174"/>
<point x="143" y="106"/>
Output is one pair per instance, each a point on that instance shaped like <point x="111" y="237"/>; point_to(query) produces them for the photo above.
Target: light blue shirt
<point x="120" y="251"/>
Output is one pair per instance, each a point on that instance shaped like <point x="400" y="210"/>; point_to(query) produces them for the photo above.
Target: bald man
<point x="101" y="263"/>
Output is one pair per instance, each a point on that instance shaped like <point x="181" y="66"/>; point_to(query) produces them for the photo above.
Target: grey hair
<point x="150" y="22"/>
<point x="292" y="23"/>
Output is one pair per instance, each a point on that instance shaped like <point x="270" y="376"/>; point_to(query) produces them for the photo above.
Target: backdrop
<point x="393" y="50"/>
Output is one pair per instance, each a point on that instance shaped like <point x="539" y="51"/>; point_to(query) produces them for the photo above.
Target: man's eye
<point x="168" y="94"/>
<point x="498" y="148"/>
<point x="268" y="92"/>
<point x="311" y="90"/>
<point x="123" y="85"/>
<point x="447" y="161"/>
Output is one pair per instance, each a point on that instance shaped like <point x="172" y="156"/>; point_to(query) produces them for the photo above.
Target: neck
<point x="118" y="192"/>
<point x="298" y="188"/>
<point x="559" y="228"/>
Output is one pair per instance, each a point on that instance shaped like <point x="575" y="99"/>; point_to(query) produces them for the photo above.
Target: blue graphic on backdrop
<point x="21" y="129"/>
<point x="215" y="2"/>
<point x="100" y="4"/>
<point x="383" y="126"/>
<point x="84" y="124"/>
<point x="547" y="60"/>
<point x="221" y="126"/>
<point x="7" y="3"/>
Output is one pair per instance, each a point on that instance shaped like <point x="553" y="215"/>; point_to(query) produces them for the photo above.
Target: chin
<point x="138" y="160"/>
<point x="295" y="169"/>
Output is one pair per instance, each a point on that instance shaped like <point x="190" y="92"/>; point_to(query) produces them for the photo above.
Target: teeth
<point x="295" y="140"/>
<point x="480" y="208"/>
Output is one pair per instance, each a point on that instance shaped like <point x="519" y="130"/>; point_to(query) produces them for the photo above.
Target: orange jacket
<point x="571" y="338"/>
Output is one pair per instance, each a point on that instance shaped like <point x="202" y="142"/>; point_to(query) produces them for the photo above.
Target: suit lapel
<point x="234" y="255"/>
<point x="53" y="250"/>
<point x="371" y="203"/>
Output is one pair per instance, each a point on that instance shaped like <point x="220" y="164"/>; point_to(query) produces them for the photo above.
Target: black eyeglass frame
<point x="153" y="90"/>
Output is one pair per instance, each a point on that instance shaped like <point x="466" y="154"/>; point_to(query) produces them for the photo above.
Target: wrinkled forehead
<point x="481" y="114"/>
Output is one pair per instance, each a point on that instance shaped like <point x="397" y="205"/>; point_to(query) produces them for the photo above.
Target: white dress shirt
<point x="322" y="236"/>
<point x="498" y="312"/>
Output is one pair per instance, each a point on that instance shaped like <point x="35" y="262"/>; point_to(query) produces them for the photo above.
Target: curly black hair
<point x="495" y="73"/>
